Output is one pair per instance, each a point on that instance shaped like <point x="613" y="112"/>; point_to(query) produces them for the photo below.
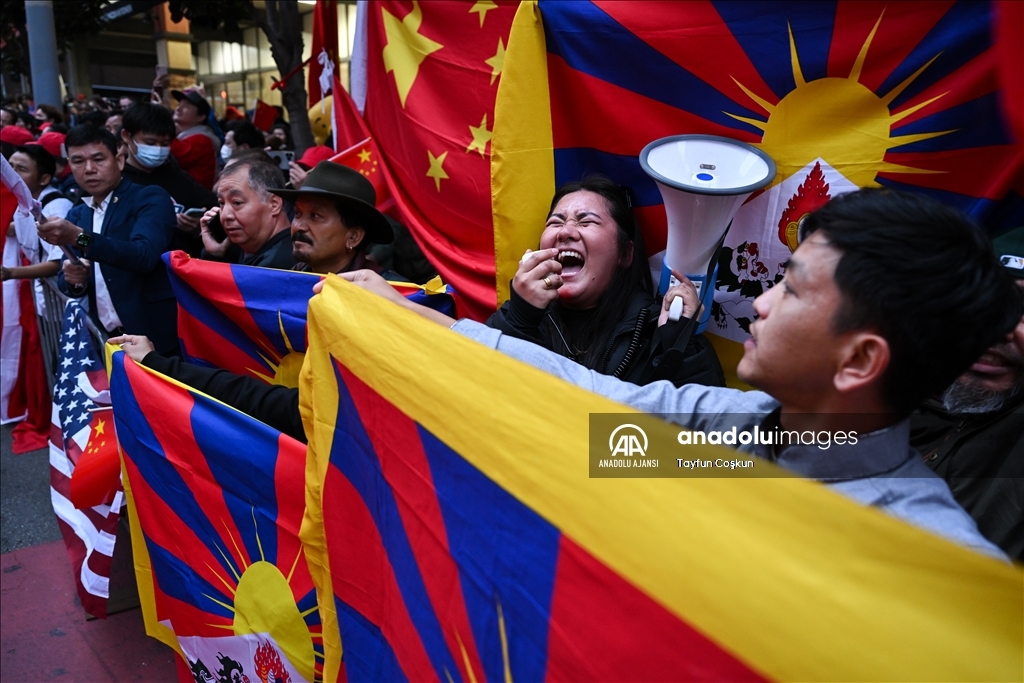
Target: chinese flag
<point x="433" y="70"/>
<point x="325" y="40"/>
<point x="348" y="126"/>
<point x="264" y="116"/>
<point x="365" y="158"/>
<point x="98" y="472"/>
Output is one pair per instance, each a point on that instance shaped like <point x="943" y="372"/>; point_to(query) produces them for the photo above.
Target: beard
<point x="967" y="398"/>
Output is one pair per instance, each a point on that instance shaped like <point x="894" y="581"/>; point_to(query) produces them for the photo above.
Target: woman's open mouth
<point x="572" y="262"/>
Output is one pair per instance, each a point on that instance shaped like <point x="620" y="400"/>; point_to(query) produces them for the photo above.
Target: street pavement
<point x="44" y="633"/>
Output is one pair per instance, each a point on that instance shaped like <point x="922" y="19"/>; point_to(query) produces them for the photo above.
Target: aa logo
<point x="628" y="440"/>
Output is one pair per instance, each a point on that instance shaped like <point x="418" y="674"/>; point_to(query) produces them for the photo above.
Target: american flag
<point x="89" y="534"/>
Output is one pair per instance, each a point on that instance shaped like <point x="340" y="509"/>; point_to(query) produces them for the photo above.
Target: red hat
<point x="52" y="143"/>
<point x="314" y="155"/>
<point x="231" y="113"/>
<point x="16" y="135"/>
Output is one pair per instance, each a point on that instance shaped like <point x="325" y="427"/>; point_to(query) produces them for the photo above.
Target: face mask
<point x="225" y="152"/>
<point x="151" y="156"/>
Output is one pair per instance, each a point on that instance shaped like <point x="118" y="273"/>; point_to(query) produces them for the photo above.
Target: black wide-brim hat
<point x="351" y="189"/>
<point x="195" y="98"/>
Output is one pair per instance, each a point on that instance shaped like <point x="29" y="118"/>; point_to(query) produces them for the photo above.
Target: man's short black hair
<point x="146" y="117"/>
<point x="86" y="134"/>
<point x="45" y="163"/>
<point x="248" y="134"/>
<point x="923" y="276"/>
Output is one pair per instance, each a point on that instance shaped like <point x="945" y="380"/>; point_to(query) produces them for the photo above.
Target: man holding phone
<point x="120" y="233"/>
<point x="251" y="217"/>
<point x="147" y="131"/>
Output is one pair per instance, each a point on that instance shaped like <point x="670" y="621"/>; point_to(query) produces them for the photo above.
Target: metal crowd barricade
<point x="50" y="312"/>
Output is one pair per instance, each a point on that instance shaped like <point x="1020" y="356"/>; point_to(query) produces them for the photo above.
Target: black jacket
<point x="981" y="457"/>
<point x="276" y="253"/>
<point x="184" y="191"/>
<point x="639" y="351"/>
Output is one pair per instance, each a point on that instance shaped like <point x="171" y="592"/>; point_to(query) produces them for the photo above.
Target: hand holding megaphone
<point x="681" y="301"/>
<point x="539" y="277"/>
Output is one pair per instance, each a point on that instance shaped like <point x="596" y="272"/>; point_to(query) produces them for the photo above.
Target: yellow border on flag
<point x="794" y="579"/>
<point x="522" y="152"/>
<point x="140" y="553"/>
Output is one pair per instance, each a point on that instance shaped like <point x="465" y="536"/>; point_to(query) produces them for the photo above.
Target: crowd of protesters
<point x="122" y="182"/>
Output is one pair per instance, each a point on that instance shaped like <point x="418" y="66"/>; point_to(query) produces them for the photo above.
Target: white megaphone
<point x="704" y="179"/>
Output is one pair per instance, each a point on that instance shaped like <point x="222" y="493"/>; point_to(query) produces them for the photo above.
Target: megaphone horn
<point x="704" y="179"/>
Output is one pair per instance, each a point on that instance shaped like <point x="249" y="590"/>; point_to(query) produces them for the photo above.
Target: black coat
<point x="638" y="352"/>
<point x="981" y="457"/>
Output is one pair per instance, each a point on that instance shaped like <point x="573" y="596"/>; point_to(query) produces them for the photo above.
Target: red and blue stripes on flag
<point x="219" y="498"/>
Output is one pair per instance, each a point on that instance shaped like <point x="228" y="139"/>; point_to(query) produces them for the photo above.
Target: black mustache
<point x="302" y="237"/>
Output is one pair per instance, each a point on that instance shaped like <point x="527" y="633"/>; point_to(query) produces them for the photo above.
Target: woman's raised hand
<point x="688" y="292"/>
<point x="539" y="277"/>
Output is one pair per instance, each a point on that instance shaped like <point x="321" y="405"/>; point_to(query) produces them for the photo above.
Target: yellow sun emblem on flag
<point x="837" y="119"/>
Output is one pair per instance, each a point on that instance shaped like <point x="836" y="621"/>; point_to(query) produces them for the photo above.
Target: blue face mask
<point x="151" y="156"/>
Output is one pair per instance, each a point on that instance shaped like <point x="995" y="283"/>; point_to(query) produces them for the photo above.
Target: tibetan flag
<point x="454" y="534"/>
<point x="841" y="94"/>
<point x="215" y="499"/>
<point x="252" y="321"/>
<point x="432" y="75"/>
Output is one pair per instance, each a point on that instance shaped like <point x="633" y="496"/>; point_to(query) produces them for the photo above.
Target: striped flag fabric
<point x="81" y="385"/>
<point x="215" y="500"/>
<point x="252" y="321"/>
<point x="454" y="534"/>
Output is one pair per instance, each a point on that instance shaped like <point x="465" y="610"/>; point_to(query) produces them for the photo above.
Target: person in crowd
<point x="335" y="221"/>
<point x="16" y="135"/>
<point x="113" y="122"/>
<point x="252" y="217"/>
<point x="120" y="233"/>
<point x="125" y="102"/>
<point x="25" y="120"/>
<point x="240" y="135"/>
<point x="249" y="156"/>
<point x="37" y="167"/>
<point x="280" y="136"/>
<point x="196" y="147"/>
<point x="46" y="115"/>
<point x="854" y="338"/>
<point x="7" y="117"/>
<point x="335" y="217"/>
<point x="147" y="132"/>
<point x="973" y="434"/>
<point x="587" y="295"/>
<point x="298" y="170"/>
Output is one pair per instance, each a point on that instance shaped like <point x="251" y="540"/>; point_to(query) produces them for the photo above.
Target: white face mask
<point x="151" y="156"/>
<point x="225" y="152"/>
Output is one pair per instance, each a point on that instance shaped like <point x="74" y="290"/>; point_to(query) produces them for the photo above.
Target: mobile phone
<point x="216" y="229"/>
<point x="283" y="157"/>
<point x="194" y="213"/>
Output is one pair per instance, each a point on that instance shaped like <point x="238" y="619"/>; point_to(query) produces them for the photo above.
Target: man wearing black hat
<point x="973" y="435"/>
<point x="335" y="221"/>
<point x="196" y="147"/>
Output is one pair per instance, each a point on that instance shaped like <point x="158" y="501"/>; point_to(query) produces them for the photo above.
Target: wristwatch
<point x="83" y="240"/>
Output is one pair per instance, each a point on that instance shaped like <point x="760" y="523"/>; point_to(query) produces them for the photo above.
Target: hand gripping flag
<point x="454" y="535"/>
<point x="215" y="499"/>
<point x="841" y="95"/>
<point x="89" y="534"/>
<point x="432" y="75"/>
<point x="252" y="321"/>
